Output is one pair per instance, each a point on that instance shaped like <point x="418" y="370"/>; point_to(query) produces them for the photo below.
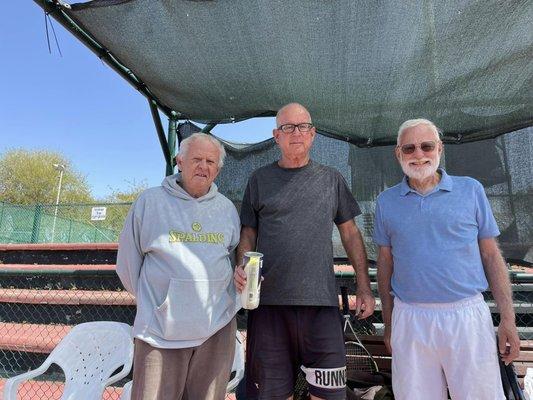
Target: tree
<point x="129" y="195"/>
<point x="29" y="177"/>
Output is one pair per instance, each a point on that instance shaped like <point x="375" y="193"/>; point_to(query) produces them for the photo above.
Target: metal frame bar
<point x="54" y="8"/>
<point x="171" y="139"/>
<point x="208" y="128"/>
<point x="161" y="135"/>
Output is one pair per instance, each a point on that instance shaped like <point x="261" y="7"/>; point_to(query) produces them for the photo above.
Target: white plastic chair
<point x="238" y="362"/>
<point x="88" y="356"/>
<point x="237" y="367"/>
<point x="126" y="391"/>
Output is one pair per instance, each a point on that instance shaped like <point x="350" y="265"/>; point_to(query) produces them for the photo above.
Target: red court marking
<point x="67" y="297"/>
<point x="33" y="338"/>
<point x="48" y="390"/>
<point x="58" y="267"/>
<point x="344" y="268"/>
<point x="58" y="246"/>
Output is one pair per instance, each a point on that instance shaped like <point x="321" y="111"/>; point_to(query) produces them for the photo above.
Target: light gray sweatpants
<point x="193" y="373"/>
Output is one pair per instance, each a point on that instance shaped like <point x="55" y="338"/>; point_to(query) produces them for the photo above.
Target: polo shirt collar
<point x="445" y="183"/>
<point x="404" y="186"/>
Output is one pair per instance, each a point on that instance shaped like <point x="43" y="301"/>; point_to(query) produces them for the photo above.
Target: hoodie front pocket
<point x="187" y="312"/>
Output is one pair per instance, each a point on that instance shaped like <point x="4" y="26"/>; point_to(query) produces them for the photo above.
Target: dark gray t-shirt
<point x="293" y="211"/>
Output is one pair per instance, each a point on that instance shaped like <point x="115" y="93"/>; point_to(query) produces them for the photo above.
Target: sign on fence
<point x="98" y="213"/>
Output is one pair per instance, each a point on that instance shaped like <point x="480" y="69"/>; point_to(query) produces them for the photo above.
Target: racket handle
<point x="344" y="297"/>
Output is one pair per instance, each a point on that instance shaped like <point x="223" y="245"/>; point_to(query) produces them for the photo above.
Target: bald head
<point x="292" y="109"/>
<point x="294" y="134"/>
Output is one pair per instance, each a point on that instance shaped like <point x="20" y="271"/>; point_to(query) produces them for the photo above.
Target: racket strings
<point x="358" y="358"/>
<point x="301" y="391"/>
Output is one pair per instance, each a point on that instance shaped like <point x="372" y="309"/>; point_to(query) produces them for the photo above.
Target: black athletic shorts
<point x="281" y="339"/>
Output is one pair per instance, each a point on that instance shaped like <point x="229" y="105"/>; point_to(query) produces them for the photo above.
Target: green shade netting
<point x="360" y="67"/>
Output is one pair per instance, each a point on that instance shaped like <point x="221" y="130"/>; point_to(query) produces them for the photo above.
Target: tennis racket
<point x="511" y="388"/>
<point x="301" y="389"/>
<point x="358" y="358"/>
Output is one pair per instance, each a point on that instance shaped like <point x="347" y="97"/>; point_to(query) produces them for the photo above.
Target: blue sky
<point x="77" y="105"/>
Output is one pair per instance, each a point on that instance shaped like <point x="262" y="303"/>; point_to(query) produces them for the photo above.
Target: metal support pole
<point x="171" y="138"/>
<point x="508" y="177"/>
<point x="179" y="135"/>
<point x="2" y="214"/>
<point x="61" y="14"/>
<point x="208" y="128"/>
<point x="161" y="134"/>
<point x="36" y="223"/>
<point x="61" y="169"/>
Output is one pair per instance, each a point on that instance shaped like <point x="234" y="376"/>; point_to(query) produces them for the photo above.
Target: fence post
<point x="2" y="214"/>
<point x="36" y="223"/>
<point x="69" y="230"/>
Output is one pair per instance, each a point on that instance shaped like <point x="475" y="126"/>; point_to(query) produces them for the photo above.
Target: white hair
<point x="186" y="143"/>
<point x="415" y="122"/>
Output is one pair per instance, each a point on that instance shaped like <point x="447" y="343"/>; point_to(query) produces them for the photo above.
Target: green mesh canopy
<point x="360" y="67"/>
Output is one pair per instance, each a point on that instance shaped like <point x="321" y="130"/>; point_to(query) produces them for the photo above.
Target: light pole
<point x="61" y="169"/>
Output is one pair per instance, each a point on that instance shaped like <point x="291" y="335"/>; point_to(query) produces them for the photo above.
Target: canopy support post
<point x="161" y="135"/>
<point x="207" y="129"/>
<point x="503" y="148"/>
<point x="171" y="138"/>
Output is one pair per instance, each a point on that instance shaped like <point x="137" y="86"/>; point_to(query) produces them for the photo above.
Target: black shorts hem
<point x="279" y="397"/>
<point x="328" y="394"/>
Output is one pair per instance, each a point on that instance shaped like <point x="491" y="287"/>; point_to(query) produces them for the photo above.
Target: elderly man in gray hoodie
<point x="174" y="257"/>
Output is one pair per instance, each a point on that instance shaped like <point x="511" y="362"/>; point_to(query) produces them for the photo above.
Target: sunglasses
<point x="426" y="147"/>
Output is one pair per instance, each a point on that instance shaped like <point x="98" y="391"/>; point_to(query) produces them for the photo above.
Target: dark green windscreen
<point x="503" y="165"/>
<point x="361" y="67"/>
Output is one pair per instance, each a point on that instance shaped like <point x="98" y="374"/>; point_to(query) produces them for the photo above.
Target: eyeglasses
<point x="426" y="147"/>
<point x="304" y="127"/>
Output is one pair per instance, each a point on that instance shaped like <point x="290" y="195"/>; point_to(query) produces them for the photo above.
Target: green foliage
<point x="123" y="199"/>
<point x="129" y="195"/>
<point x="29" y="177"/>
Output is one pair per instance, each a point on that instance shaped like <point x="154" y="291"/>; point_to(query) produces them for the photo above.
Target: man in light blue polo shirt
<point x="437" y="252"/>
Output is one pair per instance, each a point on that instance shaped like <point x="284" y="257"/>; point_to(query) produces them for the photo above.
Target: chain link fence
<point x="62" y="223"/>
<point x="38" y="307"/>
<point x="521" y="283"/>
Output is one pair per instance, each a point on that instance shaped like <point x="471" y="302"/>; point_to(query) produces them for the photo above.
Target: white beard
<point x="421" y="172"/>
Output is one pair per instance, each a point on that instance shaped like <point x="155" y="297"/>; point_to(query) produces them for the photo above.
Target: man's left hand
<point x="508" y="341"/>
<point x="365" y="303"/>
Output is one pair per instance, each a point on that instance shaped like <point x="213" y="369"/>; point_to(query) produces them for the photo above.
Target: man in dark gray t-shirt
<point x="293" y="211"/>
<point x="288" y="212"/>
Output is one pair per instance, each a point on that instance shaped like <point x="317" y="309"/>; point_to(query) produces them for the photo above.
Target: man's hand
<point x="247" y="243"/>
<point x="386" y="338"/>
<point x="239" y="278"/>
<point x="508" y="341"/>
<point x="364" y="304"/>
<point x="498" y="278"/>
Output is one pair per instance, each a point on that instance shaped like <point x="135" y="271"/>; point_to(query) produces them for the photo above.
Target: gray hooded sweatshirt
<point x="174" y="257"/>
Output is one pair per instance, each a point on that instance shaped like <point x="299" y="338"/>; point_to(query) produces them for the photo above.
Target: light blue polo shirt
<point x="434" y="239"/>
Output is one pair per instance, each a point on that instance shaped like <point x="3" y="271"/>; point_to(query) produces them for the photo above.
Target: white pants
<point x="441" y="345"/>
